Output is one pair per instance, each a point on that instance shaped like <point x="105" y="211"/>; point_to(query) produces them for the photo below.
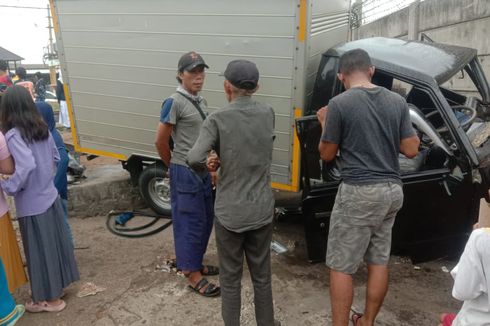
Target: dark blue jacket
<point x="60" y="180"/>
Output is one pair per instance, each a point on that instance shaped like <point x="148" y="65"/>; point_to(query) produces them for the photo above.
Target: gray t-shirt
<point x="186" y="120"/>
<point x="243" y="134"/>
<point x="368" y="125"/>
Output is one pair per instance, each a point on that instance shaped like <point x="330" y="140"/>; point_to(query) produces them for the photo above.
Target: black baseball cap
<point x="190" y="61"/>
<point x="242" y="74"/>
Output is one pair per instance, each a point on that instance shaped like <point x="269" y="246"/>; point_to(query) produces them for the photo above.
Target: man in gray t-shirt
<point x="242" y="134"/>
<point x="181" y="118"/>
<point x="369" y="126"/>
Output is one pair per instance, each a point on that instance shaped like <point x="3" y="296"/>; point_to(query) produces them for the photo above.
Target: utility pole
<point x="413" y="21"/>
<point x="355" y="20"/>
<point x="51" y="52"/>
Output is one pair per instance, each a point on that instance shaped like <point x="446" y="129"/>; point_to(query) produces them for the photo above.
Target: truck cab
<point x="444" y="183"/>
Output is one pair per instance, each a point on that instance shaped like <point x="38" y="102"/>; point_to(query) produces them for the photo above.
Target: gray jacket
<point x="242" y="133"/>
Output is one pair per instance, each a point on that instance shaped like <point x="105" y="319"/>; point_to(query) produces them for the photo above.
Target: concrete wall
<point x="458" y="22"/>
<point x="106" y="188"/>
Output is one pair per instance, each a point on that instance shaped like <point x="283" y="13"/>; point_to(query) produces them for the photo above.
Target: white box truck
<point x="118" y="60"/>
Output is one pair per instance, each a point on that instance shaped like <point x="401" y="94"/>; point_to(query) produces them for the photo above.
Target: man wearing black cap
<point x="191" y="194"/>
<point x="242" y="134"/>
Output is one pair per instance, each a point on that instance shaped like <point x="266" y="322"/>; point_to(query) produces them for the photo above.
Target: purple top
<point x="32" y="182"/>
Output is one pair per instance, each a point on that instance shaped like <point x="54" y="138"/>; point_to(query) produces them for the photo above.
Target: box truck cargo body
<point x="119" y="57"/>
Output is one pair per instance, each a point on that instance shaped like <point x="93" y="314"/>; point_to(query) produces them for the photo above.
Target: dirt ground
<point x="139" y="291"/>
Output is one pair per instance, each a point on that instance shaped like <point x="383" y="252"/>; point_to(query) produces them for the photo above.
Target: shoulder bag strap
<point x="196" y="105"/>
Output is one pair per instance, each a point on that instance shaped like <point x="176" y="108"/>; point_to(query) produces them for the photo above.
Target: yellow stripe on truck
<point x="296" y="153"/>
<point x="303" y="15"/>
<point x="55" y="18"/>
<point x="295" y="162"/>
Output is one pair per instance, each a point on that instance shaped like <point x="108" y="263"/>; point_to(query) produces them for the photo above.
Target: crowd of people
<point x="33" y="166"/>
<point x="37" y="87"/>
<point x="365" y="128"/>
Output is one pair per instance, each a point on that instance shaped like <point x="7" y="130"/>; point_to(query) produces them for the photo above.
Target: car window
<point x="401" y="87"/>
<point x="463" y="84"/>
<point x="325" y="85"/>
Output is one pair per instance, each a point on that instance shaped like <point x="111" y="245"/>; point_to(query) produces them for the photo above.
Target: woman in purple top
<point x="49" y="252"/>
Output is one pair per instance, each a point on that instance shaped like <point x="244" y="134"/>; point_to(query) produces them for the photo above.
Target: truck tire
<point x="154" y="186"/>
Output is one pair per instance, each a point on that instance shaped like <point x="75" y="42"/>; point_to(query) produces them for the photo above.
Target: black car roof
<point x="420" y="60"/>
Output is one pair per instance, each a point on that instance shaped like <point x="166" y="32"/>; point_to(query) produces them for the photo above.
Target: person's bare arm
<point x="410" y="146"/>
<point x="164" y="133"/>
<point x="7" y="166"/>
<point x="327" y="150"/>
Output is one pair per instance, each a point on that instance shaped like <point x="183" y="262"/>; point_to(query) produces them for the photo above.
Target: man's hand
<point x="410" y="146"/>
<point x="4" y="177"/>
<point x="213" y="162"/>
<point x="214" y="179"/>
<point x="321" y="115"/>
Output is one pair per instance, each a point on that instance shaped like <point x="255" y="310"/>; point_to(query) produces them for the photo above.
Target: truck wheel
<point x="154" y="186"/>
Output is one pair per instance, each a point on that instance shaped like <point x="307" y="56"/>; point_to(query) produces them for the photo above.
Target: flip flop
<point x="14" y="316"/>
<point x="43" y="306"/>
<point x="211" y="289"/>
<point x="355" y="317"/>
<point x="212" y="270"/>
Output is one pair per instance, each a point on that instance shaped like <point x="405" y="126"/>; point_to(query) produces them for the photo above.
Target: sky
<point x="24" y="30"/>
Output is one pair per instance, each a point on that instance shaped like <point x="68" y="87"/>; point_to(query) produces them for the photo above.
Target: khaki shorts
<point x="361" y="224"/>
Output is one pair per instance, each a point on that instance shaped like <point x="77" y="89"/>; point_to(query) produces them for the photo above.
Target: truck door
<point x="441" y="199"/>
<point x="439" y="207"/>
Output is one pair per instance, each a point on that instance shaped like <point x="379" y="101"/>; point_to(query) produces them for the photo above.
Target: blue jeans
<point x="192" y="215"/>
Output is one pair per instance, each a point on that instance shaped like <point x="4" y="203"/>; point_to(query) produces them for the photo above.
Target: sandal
<point x="212" y="270"/>
<point x="355" y="317"/>
<point x="211" y="290"/>
<point x="42" y="306"/>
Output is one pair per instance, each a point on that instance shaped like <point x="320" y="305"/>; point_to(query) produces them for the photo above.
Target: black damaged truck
<point x="444" y="183"/>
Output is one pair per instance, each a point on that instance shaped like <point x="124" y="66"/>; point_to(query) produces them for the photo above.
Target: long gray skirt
<point x="49" y="253"/>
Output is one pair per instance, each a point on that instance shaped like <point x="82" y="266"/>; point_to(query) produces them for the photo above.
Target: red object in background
<point x="6" y="80"/>
<point x="448" y="319"/>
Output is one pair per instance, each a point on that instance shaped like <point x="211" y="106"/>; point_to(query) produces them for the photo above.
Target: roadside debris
<point x="399" y="260"/>
<point x="444" y="269"/>
<point x="82" y="247"/>
<point x="76" y="171"/>
<point x="278" y="248"/>
<point x="168" y="266"/>
<point x="417" y="268"/>
<point x="88" y="289"/>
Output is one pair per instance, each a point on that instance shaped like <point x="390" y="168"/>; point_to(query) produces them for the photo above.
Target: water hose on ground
<point x="116" y="221"/>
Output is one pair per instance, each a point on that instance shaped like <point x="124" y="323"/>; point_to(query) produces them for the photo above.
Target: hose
<point x="127" y="232"/>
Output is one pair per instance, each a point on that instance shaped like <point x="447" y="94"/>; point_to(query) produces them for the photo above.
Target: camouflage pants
<point x="361" y="225"/>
